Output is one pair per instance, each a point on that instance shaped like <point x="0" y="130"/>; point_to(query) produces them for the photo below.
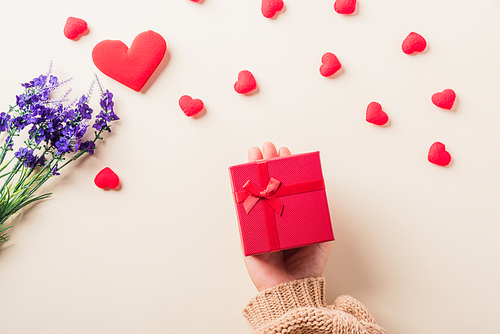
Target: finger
<point x="269" y="150"/>
<point x="254" y="153"/>
<point x="284" y="151"/>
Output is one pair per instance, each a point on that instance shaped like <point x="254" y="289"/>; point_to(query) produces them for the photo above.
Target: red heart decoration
<point x="444" y="99"/>
<point x="190" y="106"/>
<point x="106" y="178"/>
<point x="345" y="6"/>
<point x="413" y="43"/>
<point x="375" y="114"/>
<point x="131" y="67"/>
<point x="246" y="82"/>
<point x="330" y="64"/>
<point x="74" y="27"/>
<point x="438" y="155"/>
<point x="269" y="8"/>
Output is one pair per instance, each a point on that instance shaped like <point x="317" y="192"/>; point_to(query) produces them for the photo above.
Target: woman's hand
<point x="270" y="269"/>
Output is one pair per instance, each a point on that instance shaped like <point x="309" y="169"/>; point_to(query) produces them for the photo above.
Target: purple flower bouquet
<point x="55" y="131"/>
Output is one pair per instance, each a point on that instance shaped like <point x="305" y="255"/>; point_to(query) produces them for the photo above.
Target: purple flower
<point x="4" y="122"/>
<point x="88" y="146"/>
<point x="20" y="101"/>
<point x="74" y="131"/>
<point x="40" y="81"/>
<point x="82" y="100"/>
<point x="21" y="153"/>
<point x="100" y="124"/>
<point x="53" y="126"/>
<point x="107" y="101"/>
<point x="53" y="80"/>
<point x="80" y="130"/>
<point x="26" y="156"/>
<point x="9" y="142"/>
<point x="38" y="109"/>
<point x="41" y="160"/>
<point x="29" y="119"/>
<point x="105" y="116"/>
<point x="38" y="134"/>
<point x="44" y="95"/>
<point x="62" y="145"/>
<point x="69" y="131"/>
<point x="19" y="123"/>
<point x="73" y="115"/>
<point x="54" y="171"/>
<point x="101" y="121"/>
<point x="86" y="111"/>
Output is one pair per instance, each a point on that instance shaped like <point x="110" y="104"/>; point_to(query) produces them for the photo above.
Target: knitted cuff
<point x="272" y="303"/>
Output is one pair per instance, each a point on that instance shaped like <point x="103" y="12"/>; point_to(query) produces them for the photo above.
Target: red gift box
<point x="281" y="203"/>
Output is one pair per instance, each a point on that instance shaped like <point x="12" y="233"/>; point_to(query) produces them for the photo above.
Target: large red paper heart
<point x="131" y="67"/>
<point x="269" y="8"/>
<point x="438" y="155"/>
<point x="413" y="43"/>
<point x="190" y="106"/>
<point x="246" y="82"/>
<point x="444" y="99"/>
<point x="345" y="6"/>
<point x="375" y="114"/>
<point x="75" y="27"/>
<point x="106" y="178"/>
<point x="330" y="64"/>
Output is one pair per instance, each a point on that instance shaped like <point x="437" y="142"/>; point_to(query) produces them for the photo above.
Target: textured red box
<point x="281" y="203"/>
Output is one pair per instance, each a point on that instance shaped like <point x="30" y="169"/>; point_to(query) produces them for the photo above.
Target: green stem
<point x="14" y="171"/>
<point x="39" y="182"/>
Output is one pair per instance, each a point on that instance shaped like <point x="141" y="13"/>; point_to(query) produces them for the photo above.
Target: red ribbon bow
<point x="254" y="195"/>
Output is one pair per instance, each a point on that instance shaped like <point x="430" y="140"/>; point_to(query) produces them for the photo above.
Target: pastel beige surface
<point x="416" y="243"/>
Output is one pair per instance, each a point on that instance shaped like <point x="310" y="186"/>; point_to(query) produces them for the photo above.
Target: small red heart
<point x="331" y="64"/>
<point x="190" y="106"/>
<point x="438" y="155"/>
<point x="444" y="99"/>
<point x="345" y="6"/>
<point x="106" y="178"/>
<point x="413" y="43"/>
<point x="375" y="114"/>
<point x="131" y="67"/>
<point x="246" y="82"/>
<point x="74" y="27"/>
<point x="269" y="8"/>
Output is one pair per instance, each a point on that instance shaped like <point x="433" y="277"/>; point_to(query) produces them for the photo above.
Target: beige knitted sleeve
<point x="299" y="307"/>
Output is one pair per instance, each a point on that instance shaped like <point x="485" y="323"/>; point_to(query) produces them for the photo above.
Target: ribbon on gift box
<point x="269" y="192"/>
<point x="255" y="194"/>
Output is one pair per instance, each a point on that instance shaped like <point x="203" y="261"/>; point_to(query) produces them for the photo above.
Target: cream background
<point x="417" y="243"/>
